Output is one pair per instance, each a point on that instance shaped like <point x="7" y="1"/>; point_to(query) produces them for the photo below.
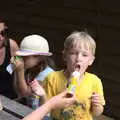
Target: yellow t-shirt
<point x="56" y="82"/>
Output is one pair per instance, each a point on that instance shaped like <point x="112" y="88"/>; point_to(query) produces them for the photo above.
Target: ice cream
<point x="73" y="82"/>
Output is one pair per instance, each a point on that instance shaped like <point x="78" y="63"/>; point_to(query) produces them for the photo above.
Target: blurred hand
<point x="37" y="88"/>
<point x="18" y="63"/>
<point x="96" y="100"/>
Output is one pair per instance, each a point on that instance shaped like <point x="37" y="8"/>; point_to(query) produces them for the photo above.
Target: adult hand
<point x="62" y="100"/>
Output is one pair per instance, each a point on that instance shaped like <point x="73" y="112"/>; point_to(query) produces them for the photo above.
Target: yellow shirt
<point x="56" y="82"/>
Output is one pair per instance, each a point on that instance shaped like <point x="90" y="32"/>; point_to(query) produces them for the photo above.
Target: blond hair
<point x="76" y="38"/>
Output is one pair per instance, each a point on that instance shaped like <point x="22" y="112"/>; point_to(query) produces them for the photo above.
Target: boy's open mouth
<point x="77" y="67"/>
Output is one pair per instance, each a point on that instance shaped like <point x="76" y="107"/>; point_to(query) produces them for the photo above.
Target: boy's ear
<point x="64" y="56"/>
<point x="91" y="60"/>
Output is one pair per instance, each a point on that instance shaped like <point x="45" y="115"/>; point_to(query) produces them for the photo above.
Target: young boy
<point x="79" y="50"/>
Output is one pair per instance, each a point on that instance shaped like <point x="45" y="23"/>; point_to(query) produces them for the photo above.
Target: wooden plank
<point x="103" y="117"/>
<point x="14" y="107"/>
<point x="14" y="111"/>
<point x="6" y="116"/>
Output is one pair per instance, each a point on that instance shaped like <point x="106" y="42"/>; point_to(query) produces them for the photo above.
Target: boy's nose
<point x="79" y="57"/>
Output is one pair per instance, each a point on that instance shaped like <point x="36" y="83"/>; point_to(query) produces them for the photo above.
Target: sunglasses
<point x="4" y="32"/>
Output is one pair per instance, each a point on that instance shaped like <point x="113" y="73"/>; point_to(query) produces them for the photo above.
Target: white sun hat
<point x="34" y="45"/>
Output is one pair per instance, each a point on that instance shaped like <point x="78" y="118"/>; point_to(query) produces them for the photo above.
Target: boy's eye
<point x="85" y="54"/>
<point x="72" y="52"/>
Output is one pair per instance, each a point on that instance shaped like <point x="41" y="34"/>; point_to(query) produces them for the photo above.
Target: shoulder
<point x="92" y="77"/>
<point x="48" y="69"/>
<point x="95" y="82"/>
<point x="55" y="76"/>
<point x="13" y="42"/>
<point x="13" y="46"/>
<point x="43" y="74"/>
<point x="56" y="73"/>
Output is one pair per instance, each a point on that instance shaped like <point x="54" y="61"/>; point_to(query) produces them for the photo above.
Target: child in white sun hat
<point x="34" y="66"/>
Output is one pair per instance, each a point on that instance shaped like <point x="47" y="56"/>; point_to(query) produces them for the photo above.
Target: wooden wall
<point x="55" y="19"/>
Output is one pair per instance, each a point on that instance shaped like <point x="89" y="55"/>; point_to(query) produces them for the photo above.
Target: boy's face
<point x="78" y="56"/>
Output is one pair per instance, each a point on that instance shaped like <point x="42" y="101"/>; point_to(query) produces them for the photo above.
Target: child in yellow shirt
<point x="79" y="50"/>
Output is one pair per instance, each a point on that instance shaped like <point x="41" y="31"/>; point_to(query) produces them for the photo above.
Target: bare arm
<point x="24" y="88"/>
<point x="59" y="101"/>
<point x="13" y="48"/>
<point x="20" y="85"/>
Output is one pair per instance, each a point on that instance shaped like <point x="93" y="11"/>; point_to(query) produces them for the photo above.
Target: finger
<point x="70" y="101"/>
<point x="95" y="95"/>
<point x="12" y="60"/>
<point x="63" y="94"/>
<point x="33" y="82"/>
